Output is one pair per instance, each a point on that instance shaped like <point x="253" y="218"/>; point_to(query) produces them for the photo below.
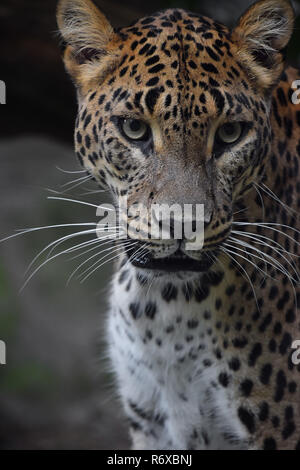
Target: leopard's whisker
<point x="259" y="236"/>
<point x="229" y="254"/>
<point x="91" y="257"/>
<point x="96" y="242"/>
<point x="112" y="231"/>
<point x="84" y="203"/>
<point x="34" y="229"/>
<point x="270" y="193"/>
<point x="82" y="178"/>
<point x="88" y="193"/>
<point x="277" y="266"/>
<point x="121" y="248"/>
<point x="133" y="256"/>
<point x="241" y="210"/>
<point x="48" y="260"/>
<point x="281" y="249"/>
<point x="261" y="199"/>
<point x="247" y="245"/>
<point x="70" y="172"/>
<point x="269" y="225"/>
<point x="243" y="250"/>
<point x="71" y="188"/>
<point x="54" y="244"/>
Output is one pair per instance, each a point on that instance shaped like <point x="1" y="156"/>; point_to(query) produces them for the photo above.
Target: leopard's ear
<point x="86" y="32"/>
<point x="261" y="36"/>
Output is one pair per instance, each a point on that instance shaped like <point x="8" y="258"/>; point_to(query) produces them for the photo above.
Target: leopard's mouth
<point x="177" y="262"/>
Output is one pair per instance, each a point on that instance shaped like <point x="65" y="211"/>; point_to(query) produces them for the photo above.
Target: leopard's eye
<point x="229" y="132"/>
<point x="135" y="129"/>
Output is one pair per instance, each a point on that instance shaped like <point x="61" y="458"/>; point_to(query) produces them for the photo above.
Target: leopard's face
<point x="175" y="110"/>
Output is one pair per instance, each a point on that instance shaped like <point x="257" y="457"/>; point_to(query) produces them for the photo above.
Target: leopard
<point x="180" y="109"/>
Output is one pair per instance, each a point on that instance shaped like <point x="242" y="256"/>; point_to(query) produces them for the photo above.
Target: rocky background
<point x="57" y="390"/>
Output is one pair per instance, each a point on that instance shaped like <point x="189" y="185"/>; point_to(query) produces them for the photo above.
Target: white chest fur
<point x="169" y="368"/>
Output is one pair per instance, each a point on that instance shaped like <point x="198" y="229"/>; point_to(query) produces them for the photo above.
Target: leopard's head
<point x="175" y="110"/>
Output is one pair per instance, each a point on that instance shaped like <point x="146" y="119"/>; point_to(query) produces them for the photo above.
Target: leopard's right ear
<point x="87" y="34"/>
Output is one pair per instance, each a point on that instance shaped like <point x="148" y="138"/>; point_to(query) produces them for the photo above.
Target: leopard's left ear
<point x="261" y="36"/>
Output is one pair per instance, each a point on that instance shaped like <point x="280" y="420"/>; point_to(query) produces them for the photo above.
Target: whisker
<point x="111" y="231"/>
<point x="70" y="172"/>
<point x="261" y="200"/>
<point x="270" y="193"/>
<point x="226" y="251"/>
<point x="255" y="235"/>
<point x="87" y="260"/>
<point x="44" y="263"/>
<point x="112" y="250"/>
<point x="34" y="229"/>
<point x="247" y="245"/>
<point x="82" y="178"/>
<point x="269" y="225"/>
<point x="133" y="256"/>
<point x="121" y="248"/>
<point x="277" y="266"/>
<point x="84" y="203"/>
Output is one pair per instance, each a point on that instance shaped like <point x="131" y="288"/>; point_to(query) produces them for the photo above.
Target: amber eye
<point x="229" y="132"/>
<point x="135" y="129"/>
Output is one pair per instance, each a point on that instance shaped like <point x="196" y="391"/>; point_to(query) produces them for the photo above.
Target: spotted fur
<point x="203" y="359"/>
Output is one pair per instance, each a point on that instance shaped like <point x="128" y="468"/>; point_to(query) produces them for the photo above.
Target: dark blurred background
<point x="56" y="391"/>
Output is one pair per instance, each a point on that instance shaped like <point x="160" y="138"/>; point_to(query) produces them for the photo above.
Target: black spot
<point x="246" y="387"/>
<point x="192" y="324"/>
<point x="223" y="379"/>
<point x="265" y="374"/>
<point x="288" y="430"/>
<point x="234" y="364"/>
<point x="285" y="343"/>
<point x="201" y="293"/>
<point x="254" y="355"/>
<point x="87" y="121"/>
<point x="247" y="418"/>
<point x="134" y="309"/>
<point x="240" y="342"/>
<point x="280" y="386"/>
<point x="153" y="81"/>
<point x="209" y="68"/>
<point x="123" y="276"/>
<point x="169" y="292"/>
<point x="269" y="444"/>
<point x="230" y="290"/>
<point x="157" y="68"/>
<point x="192" y="64"/>
<point x="263" y="411"/>
<point x="219" y="99"/>
<point x="151" y="98"/>
<point x="212" y="54"/>
<point x="266" y="322"/>
<point x="150" y="310"/>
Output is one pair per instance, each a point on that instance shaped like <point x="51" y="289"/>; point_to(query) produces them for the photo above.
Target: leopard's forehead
<point x="176" y="24"/>
<point x="179" y="57"/>
<point x="173" y="43"/>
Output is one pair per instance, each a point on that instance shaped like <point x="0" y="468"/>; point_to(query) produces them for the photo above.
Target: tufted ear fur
<point x="262" y="35"/>
<point x="87" y="34"/>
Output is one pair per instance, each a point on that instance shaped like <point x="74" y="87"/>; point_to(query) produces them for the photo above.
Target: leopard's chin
<point x="178" y="262"/>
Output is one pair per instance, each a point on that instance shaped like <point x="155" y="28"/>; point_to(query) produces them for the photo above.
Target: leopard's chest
<point x="169" y="363"/>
